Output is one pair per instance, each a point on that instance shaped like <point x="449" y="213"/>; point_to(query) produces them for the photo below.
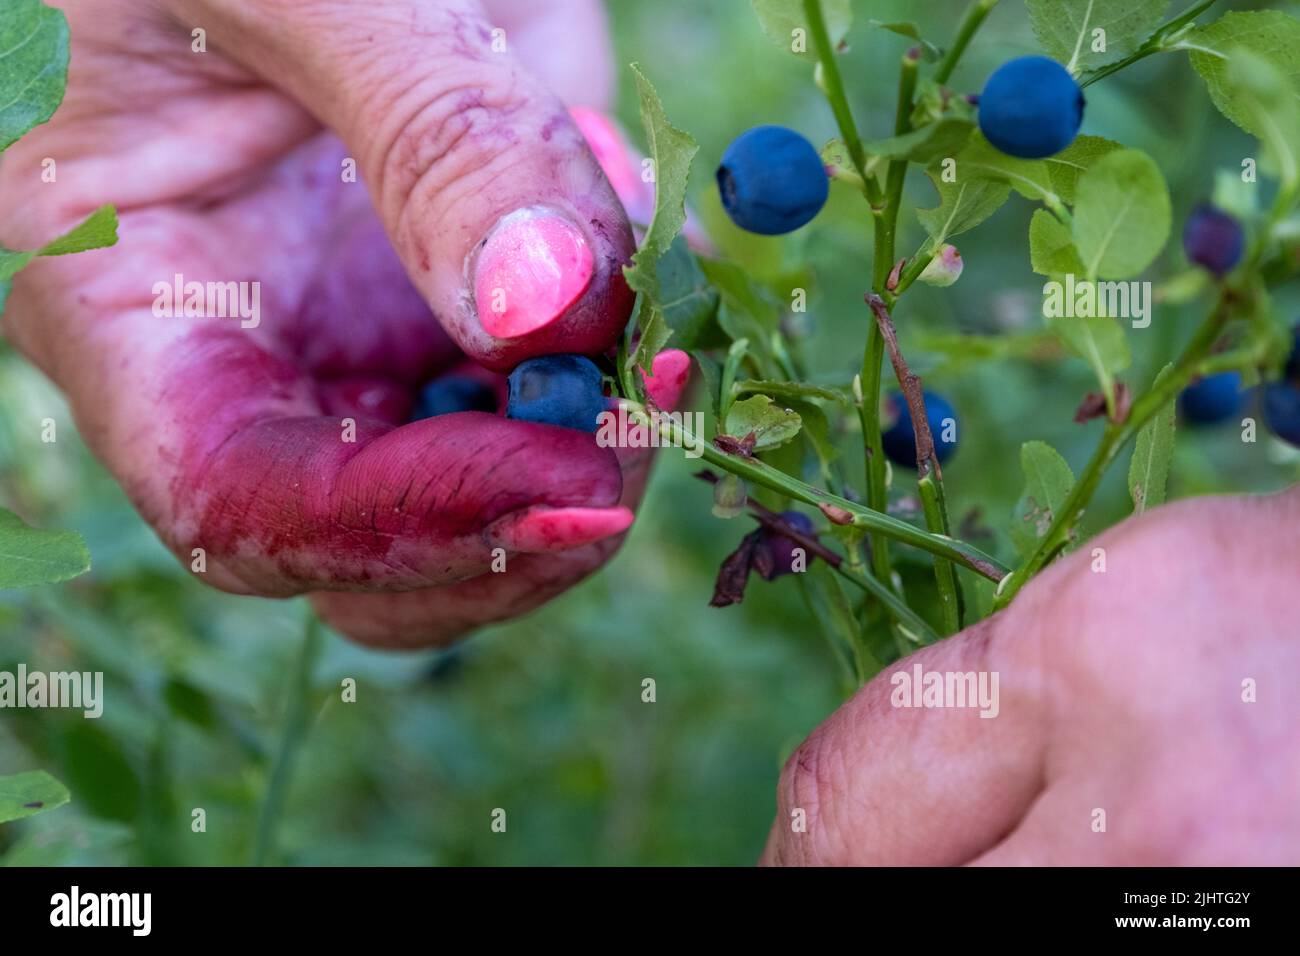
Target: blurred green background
<point x="544" y="717"/>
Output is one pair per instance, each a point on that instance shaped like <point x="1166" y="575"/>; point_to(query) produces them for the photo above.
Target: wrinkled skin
<point x="226" y="165"/>
<point x="1120" y="691"/>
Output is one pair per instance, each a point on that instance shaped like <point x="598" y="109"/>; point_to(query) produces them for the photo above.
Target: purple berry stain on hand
<point x="781" y="550"/>
<point x="453" y="393"/>
<point x="1031" y="108"/>
<point x="562" y="390"/>
<point x="1213" y="239"/>
<point x="772" y="181"/>
<point x="1213" y="399"/>
<point x="899" y="440"/>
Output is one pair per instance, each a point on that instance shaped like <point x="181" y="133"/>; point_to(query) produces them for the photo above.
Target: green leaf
<point x="1066" y="28"/>
<point x="1048" y="481"/>
<point x="29" y="556"/>
<point x="816" y="429"/>
<point x="1234" y="195"/>
<point x="739" y="291"/>
<point x="784" y="22"/>
<point x="747" y="311"/>
<point x="1148" y="471"/>
<point x="962" y="205"/>
<point x="1121" y="215"/>
<point x="27" y="794"/>
<point x="689" y="302"/>
<point x="960" y="349"/>
<point x="1065" y="168"/>
<point x="33" y="66"/>
<point x="654" y="335"/>
<point x="671" y="151"/>
<point x="1031" y="178"/>
<point x="1270" y="104"/>
<point x="1182" y="287"/>
<point x="794" y="390"/>
<point x="908" y="29"/>
<point x="1099" y="341"/>
<point x="96" y="231"/>
<point x="5" y="286"/>
<point x="932" y="141"/>
<point x="1267" y="33"/>
<point x="772" y="425"/>
<point x="1051" y="248"/>
<point x="711" y="373"/>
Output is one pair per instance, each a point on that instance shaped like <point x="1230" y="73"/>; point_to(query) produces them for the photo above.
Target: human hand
<point x="1122" y="692"/>
<point x="229" y="434"/>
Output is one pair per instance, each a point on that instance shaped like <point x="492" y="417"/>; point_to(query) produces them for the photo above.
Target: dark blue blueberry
<point x="781" y="549"/>
<point x="454" y="393"/>
<point x="1213" y="239"/>
<point x="1214" y="399"/>
<point x="900" y="440"/>
<point x="1282" y="411"/>
<point x="772" y="180"/>
<point x="1031" y="107"/>
<point x="557" y="390"/>
<point x="1292" y="372"/>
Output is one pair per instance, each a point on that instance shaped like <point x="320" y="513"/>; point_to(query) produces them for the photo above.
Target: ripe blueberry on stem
<point x="1213" y="399"/>
<point x="899" y="440"/>
<point x="1213" y="239"/>
<point x="1281" y="400"/>
<point x="1031" y="107"/>
<point x="781" y="550"/>
<point x="772" y="181"/>
<point x="557" y="390"/>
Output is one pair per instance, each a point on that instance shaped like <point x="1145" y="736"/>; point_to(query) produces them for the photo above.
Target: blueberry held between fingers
<point x="453" y="393"/>
<point x="1031" y="107"/>
<point x="560" y="390"/>
<point x="899" y="440"/>
<point x="1213" y="239"/>
<point x="1213" y="399"/>
<point x="772" y="181"/>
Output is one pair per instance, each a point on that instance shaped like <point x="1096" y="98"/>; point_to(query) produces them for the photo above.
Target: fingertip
<point x="542" y="528"/>
<point x="669" y="373"/>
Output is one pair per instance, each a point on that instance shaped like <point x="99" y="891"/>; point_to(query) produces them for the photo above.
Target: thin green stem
<point x="839" y="103"/>
<point x="970" y="22"/>
<point x="936" y="520"/>
<point x="297" y="720"/>
<point x="674" y="434"/>
<point x="1156" y="43"/>
<point x="1112" y="441"/>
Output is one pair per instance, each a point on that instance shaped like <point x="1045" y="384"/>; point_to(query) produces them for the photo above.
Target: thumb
<point x="486" y="188"/>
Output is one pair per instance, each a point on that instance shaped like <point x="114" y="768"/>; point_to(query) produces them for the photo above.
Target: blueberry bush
<point x="1102" y="216"/>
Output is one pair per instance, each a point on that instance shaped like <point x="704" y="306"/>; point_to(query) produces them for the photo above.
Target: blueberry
<point x="1282" y="411"/>
<point x="1214" y="399"/>
<point x="453" y="393"/>
<point x="1213" y="239"/>
<point x="557" y="390"/>
<point x="900" y="441"/>
<point x="1031" y="107"/>
<point x="772" y="180"/>
<point x="1292" y="372"/>
<point x="781" y="549"/>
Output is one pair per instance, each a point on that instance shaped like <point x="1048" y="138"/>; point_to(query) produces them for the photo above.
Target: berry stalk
<point x="674" y="434"/>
